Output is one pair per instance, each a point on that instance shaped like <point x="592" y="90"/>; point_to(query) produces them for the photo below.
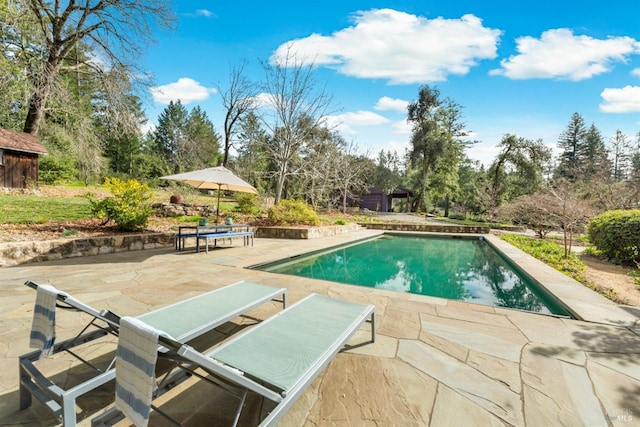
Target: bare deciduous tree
<point x="352" y="174"/>
<point x="557" y="207"/>
<point x="238" y="99"/>
<point x="531" y="210"/>
<point x="114" y="30"/>
<point x="572" y="212"/>
<point x="297" y="107"/>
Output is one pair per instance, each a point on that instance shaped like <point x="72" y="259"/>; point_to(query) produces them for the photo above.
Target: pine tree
<point x="170" y="133"/>
<point x="620" y="156"/>
<point x="572" y="144"/>
<point x="186" y="140"/>
<point x="253" y="160"/>
<point x="201" y="148"/>
<point x="436" y="147"/>
<point x="596" y="158"/>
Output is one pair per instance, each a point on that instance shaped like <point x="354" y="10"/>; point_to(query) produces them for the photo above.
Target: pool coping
<point x="583" y="303"/>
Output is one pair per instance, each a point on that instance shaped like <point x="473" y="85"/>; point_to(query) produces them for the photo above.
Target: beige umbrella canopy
<point x="218" y="178"/>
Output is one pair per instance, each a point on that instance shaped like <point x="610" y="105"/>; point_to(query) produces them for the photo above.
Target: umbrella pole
<point x="218" y="207"/>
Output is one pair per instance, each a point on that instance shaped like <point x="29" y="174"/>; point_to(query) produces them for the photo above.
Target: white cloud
<point x="562" y="55"/>
<point x="400" y="47"/>
<point x="363" y="118"/>
<point x="185" y="89"/>
<point x="625" y="100"/>
<point x="636" y="72"/>
<point x="147" y="127"/>
<point x="398" y="146"/>
<point x="402" y="127"/>
<point x="387" y="103"/>
<point x="336" y="124"/>
<point x="263" y="100"/>
<point x="206" y="13"/>
<point x="343" y="122"/>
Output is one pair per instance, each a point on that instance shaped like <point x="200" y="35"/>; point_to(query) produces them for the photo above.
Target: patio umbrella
<point x="218" y="178"/>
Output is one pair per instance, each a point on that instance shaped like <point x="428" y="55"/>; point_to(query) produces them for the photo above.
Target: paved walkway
<point x="435" y="363"/>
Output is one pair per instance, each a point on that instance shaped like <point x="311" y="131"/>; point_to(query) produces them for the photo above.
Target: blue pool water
<point x="459" y="269"/>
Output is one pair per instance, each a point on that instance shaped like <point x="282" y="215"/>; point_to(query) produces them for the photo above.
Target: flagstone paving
<point x="435" y="362"/>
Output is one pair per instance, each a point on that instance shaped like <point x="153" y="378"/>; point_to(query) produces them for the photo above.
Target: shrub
<point x="617" y="235"/>
<point x="68" y="233"/>
<point x="293" y="212"/>
<point x="248" y="203"/>
<point x="457" y="215"/>
<point x="477" y="218"/>
<point x="54" y="169"/>
<point x="341" y="222"/>
<point x="128" y="208"/>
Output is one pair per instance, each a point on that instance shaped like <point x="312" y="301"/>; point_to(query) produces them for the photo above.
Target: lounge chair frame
<point x="62" y="402"/>
<point x="191" y="359"/>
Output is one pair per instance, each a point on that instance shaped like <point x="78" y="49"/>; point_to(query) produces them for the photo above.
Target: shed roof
<point x="20" y="141"/>
<point x="401" y="192"/>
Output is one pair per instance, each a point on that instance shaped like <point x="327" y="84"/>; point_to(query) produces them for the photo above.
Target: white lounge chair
<point x="184" y="320"/>
<point x="278" y="358"/>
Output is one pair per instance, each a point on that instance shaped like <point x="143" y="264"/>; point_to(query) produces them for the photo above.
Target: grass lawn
<point x="69" y="203"/>
<point x="38" y="209"/>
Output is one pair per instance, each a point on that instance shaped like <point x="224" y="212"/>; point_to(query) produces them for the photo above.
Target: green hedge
<point x="617" y="235"/>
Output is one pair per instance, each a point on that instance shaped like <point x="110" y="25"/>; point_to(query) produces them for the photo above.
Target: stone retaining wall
<point x="14" y="253"/>
<point x="183" y="209"/>
<point x="433" y="228"/>
<point x="304" y="233"/>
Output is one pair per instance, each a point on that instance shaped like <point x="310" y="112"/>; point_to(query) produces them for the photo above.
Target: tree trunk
<point x="344" y="201"/>
<point x="565" y="240"/>
<point x="38" y="100"/>
<point x="35" y="113"/>
<point x="446" y="206"/>
<point x="280" y="183"/>
<point x="227" y="147"/>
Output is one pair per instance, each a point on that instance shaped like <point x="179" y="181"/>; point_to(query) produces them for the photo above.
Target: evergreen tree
<point x="253" y="159"/>
<point x="186" y="140"/>
<point x="472" y="182"/>
<point x="596" y="157"/>
<point x="620" y="156"/>
<point x="388" y="171"/>
<point x="201" y="148"/>
<point x="123" y="137"/>
<point x="572" y="144"/>
<point x="635" y="160"/>
<point x="171" y="133"/>
<point x="435" y="146"/>
<point x="517" y="170"/>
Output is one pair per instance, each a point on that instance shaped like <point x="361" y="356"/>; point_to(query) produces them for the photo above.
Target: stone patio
<point x="435" y="362"/>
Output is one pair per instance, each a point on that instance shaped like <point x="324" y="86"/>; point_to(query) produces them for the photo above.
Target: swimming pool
<point x="465" y="269"/>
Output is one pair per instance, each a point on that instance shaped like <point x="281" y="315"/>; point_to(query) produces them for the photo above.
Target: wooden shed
<point x="375" y="200"/>
<point x="19" y="153"/>
<point x="379" y="201"/>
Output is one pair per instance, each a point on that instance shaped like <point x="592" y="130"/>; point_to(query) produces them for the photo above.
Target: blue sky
<point x="515" y="67"/>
